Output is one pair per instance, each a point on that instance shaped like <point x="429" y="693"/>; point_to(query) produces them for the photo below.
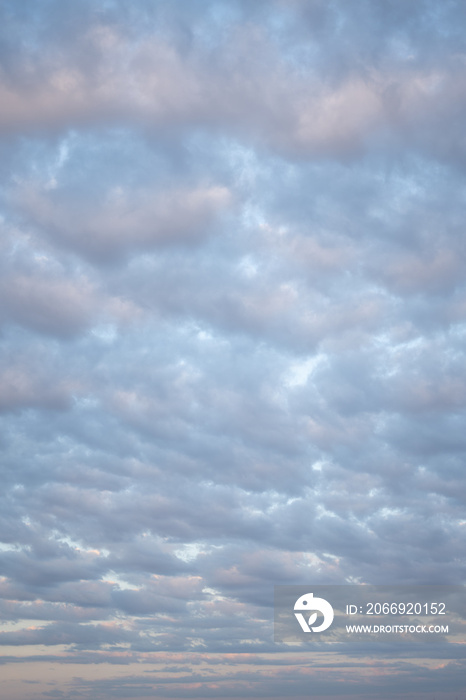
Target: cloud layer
<point x="233" y="317"/>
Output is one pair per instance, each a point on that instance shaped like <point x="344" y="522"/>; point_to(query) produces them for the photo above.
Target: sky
<point x="232" y="338"/>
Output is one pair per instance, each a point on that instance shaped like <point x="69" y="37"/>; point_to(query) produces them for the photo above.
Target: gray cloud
<point x="144" y="220"/>
<point x="232" y="337"/>
<point x="384" y="90"/>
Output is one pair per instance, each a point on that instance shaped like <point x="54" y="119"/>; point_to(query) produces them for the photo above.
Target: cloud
<point x="64" y="633"/>
<point x="232" y="333"/>
<point x="245" y="85"/>
<point x="57" y="307"/>
<point x="107" y="229"/>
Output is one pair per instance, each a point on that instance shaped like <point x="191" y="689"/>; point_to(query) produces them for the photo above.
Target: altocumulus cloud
<point x="232" y="329"/>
